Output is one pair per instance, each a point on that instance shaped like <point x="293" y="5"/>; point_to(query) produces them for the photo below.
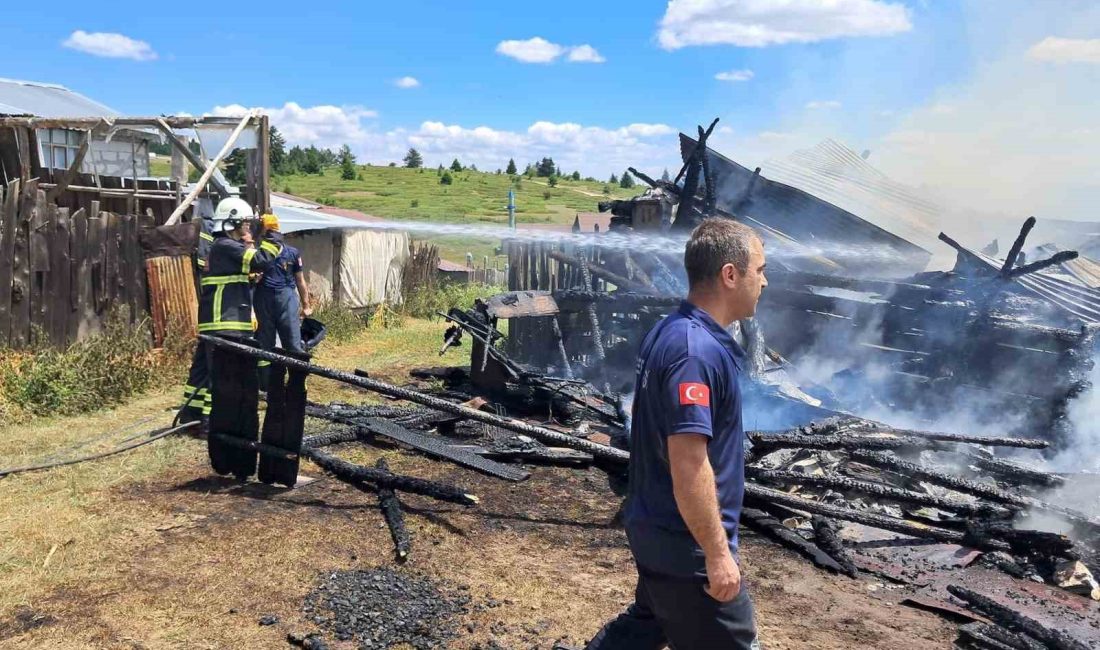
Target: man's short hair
<point x="714" y="243"/>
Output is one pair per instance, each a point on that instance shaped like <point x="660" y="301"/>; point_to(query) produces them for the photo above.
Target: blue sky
<point x="871" y="73"/>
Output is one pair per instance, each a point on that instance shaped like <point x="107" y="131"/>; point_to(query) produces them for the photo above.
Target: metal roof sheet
<point x="292" y="219"/>
<point x="48" y="100"/>
<point x="835" y="173"/>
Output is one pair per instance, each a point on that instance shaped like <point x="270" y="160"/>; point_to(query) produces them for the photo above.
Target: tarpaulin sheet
<point x="371" y="265"/>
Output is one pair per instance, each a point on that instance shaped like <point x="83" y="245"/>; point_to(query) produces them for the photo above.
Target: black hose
<point x="152" y="436"/>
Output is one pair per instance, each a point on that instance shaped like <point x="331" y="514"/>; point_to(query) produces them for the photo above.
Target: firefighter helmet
<point x="234" y="211"/>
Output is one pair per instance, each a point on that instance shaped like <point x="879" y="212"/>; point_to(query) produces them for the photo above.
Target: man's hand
<point x="307" y="311"/>
<point x="247" y="237"/>
<point x="723" y="578"/>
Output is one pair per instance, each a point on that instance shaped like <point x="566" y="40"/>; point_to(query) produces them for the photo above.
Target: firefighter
<point x="280" y="295"/>
<point x="225" y="304"/>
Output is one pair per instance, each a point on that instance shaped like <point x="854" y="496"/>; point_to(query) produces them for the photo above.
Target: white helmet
<point x="234" y="210"/>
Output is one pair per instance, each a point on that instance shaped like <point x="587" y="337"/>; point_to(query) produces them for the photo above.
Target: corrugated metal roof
<point x="1083" y="270"/>
<point x="854" y="243"/>
<point x="835" y="173"/>
<point x="47" y="100"/>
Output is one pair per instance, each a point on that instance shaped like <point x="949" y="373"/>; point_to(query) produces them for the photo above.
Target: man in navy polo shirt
<point x="687" y="465"/>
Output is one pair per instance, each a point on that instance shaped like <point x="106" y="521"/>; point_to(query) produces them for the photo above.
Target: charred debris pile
<point x="964" y="524"/>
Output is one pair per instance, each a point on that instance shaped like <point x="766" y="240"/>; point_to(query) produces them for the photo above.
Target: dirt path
<point x="211" y="557"/>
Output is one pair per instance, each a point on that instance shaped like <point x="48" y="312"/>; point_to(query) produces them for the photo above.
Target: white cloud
<point x="735" y="75"/>
<point x="759" y="23"/>
<point x="407" y="82"/>
<point x="594" y="150"/>
<point x="585" y="54"/>
<point x="324" y="125"/>
<point x="818" y="105"/>
<point x="109" y="45"/>
<point x="1066" y="50"/>
<point x="533" y="50"/>
<point x="540" y="50"/>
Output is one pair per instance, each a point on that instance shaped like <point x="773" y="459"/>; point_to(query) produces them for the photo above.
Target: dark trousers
<point x="277" y="312"/>
<point x="197" y="400"/>
<point x="677" y="613"/>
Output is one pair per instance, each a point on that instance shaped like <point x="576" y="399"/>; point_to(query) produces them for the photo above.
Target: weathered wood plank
<point x="60" y="281"/>
<point x="110" y="263"/>
<point x="79" y="279"/>
<point x="9" y="213"/>
<point x="41" y="227"/>
<point x="21" y="268"/>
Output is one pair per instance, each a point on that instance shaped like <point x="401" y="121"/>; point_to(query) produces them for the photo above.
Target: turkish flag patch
<point x="694" y="394"/>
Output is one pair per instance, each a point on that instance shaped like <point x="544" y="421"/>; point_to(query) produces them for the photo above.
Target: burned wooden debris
<point x="395" y="518"/>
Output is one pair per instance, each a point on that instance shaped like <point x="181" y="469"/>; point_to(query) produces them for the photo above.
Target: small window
<point x="74" y="138"/>
<point x="58" y="147"/>
<point x="61" y="157"/>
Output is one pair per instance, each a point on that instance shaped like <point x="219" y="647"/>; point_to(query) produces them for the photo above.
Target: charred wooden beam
<point x="986" y="441"/>
<point x="1022" y="541"/>
<point x="878" y="490"/>
<point x="395" y="518"/>
<point x="367" y="428"/>
<point x="1014" y="620"/>
<point x="542" y="434"/>
<point x="570" y="300"/>
<point x="769" y="526"/>
<point x="593" y="317"/>
<point x="352" y="473"/>
<point x="710" y="197"/>
<point x="330" y="438"/>
<point x="919" y="472"/>
<point x="694" y="151"/>
<point x="1014" y="472"/>
<point x="1017" y="246"/>
<point x="1057" y="258"/>
<point x="841" y="441"/>
<point x="759" y="494"/>
<point x="994" y="636"/>
<point x="828" y="540"/>
<point x="598" y="271"/>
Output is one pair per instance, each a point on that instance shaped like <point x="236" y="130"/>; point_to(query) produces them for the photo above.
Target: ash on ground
<point x="381" y="608"/>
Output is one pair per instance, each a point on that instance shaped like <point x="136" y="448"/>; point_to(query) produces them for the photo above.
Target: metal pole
<point x="512" y="209"/>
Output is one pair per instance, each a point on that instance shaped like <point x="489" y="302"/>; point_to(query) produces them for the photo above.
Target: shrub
<point x="547" y="194"/>
<point x="415" y="203"/>
<point x="446" y="179"/>
<point x="341" y="321"/>
<point x="102" y="370"/>
<point x="429" y="302"/>
<point x="287" y="189"/>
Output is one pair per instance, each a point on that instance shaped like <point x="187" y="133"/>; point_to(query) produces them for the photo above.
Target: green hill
<point x="401" y="194"/>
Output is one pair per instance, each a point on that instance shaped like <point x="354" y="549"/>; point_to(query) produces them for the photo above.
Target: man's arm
<point x="303" y="292"/>
<point x="697" y="500"/>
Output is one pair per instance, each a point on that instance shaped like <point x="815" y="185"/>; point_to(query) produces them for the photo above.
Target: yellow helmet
<point x="270" y="222"/>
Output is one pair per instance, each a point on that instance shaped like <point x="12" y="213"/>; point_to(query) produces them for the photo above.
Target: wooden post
<point x="182" y="207"/>
<point x="8" y="221"/>
<point x="22" y="143"/>
<point x="179" y="145"/>
<point x="263" y="171"/>
<point x="73" y="169"/>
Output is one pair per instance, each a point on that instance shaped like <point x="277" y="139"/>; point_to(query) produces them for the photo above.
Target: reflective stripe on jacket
<point x="226" y="302"/>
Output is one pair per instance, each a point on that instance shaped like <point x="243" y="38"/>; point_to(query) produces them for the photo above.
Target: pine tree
<point x="347" y="163"/>
<point x="235" y="167"/>
<point x="576" y="176"/>
<point x="552" y="181"/>
<point x="446" y="178"/>
<point x="276" y="152"/>
<point x="614" y="180"/>
<point x="627" y="181"/>
<point x="511" y="170"/>
<point x="456" y="166"/>
<point x="413" y="160"/>
<point x="665" y="177"/>
<point x="546" y="168"/>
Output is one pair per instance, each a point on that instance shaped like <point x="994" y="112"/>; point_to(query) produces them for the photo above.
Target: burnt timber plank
<point x="60" y="302"/>
<point x="41" y="227"/>
<point x="78" y="273"/>
<point x="21" y="268"/>
<point x="8" y="218"/>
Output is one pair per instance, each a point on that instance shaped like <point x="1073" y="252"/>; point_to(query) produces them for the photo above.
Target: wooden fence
<point x="62" y="273"/>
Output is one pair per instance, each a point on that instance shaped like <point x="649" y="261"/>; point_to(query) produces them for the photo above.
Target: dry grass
<point x="151" y="551"/>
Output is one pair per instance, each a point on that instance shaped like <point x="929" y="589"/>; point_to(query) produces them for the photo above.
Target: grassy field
<point x="473" y="198"/>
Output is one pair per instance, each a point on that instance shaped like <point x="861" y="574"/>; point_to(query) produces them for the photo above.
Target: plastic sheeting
<point x="369" y="265"/>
